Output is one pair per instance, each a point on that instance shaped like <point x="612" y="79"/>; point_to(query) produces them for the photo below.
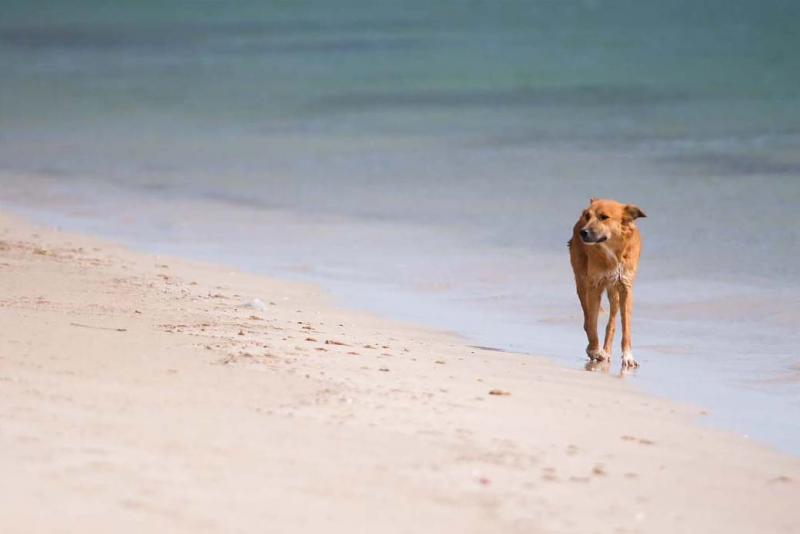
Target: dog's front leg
<point x="593" y="350"/>
<point x="626" y="305"/>
<point x="613" y="304"/>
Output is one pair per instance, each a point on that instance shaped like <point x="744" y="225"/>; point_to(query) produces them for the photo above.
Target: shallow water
<point x="428" y="161"/>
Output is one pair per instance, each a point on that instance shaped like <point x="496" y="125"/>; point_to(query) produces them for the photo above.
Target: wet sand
<point x="147" y="393"/>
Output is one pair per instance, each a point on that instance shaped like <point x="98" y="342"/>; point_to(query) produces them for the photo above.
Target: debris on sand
<point x="599" y="470"/>
<point x="499" y="392"/>
<point x="256" y="304"/>
<point x="99" y="327"/>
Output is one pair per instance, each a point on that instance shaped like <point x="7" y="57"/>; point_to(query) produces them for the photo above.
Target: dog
<point x="604" y="253"/>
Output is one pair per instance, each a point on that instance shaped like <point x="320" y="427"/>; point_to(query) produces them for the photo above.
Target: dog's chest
<point x="612" y="272"/>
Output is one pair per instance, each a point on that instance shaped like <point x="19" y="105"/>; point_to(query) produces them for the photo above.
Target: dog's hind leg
<point x="613" y="305"/>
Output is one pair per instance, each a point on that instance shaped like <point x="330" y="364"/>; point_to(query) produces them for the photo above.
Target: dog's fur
<point x="604" y="252"/>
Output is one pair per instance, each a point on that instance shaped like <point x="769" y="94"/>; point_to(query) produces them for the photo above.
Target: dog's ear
<point x="591" y="200"/>
<point x="633" y="212"/>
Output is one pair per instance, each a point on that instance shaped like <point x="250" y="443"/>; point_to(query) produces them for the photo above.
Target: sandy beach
<point x="151" y="394"/>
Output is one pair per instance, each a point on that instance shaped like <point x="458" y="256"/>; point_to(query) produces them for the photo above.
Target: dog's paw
<point x="597" y="354"/>
<point x="628" y="361"/>
<point x="598" y="367"/>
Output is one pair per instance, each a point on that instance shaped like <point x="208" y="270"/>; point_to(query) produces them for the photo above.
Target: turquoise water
<point x="516" y="72"/>
<point x="427" y="160"/>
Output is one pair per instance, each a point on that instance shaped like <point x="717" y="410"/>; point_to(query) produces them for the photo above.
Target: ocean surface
<point x="427" y="160"/>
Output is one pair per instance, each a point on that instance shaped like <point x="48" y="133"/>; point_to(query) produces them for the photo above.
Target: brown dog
<point x="604" y="252"/>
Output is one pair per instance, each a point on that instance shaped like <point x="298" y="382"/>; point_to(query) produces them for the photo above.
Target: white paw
<point x="627" y="359"/>
<point x="597" y="355"/>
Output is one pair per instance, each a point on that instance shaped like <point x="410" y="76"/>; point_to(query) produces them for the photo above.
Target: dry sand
<point x="139" y="394"/>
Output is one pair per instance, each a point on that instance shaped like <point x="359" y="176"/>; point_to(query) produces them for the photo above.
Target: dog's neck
<point x="613" y="252"/>
<point x="613" y="257"/>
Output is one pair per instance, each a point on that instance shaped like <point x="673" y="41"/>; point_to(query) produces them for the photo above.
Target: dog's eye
<point x="602" y="217"/>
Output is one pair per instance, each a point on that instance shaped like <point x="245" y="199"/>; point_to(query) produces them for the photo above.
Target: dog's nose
<point x="584" y="233"/>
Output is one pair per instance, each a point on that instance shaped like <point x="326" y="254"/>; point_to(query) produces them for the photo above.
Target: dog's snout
<point x="584" y="233"/>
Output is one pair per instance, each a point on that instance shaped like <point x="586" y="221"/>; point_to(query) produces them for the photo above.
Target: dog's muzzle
<point x="590" y="238"/>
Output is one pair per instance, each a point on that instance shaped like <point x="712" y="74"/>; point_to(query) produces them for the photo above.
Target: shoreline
<point x="148" y="392"/>
<point x="699" y="345"/>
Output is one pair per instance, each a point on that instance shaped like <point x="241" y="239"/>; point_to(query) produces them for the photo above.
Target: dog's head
<point x="606" y="220"/>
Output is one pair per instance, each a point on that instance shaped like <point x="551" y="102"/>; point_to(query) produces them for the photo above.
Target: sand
<point x="152" y="394"/>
